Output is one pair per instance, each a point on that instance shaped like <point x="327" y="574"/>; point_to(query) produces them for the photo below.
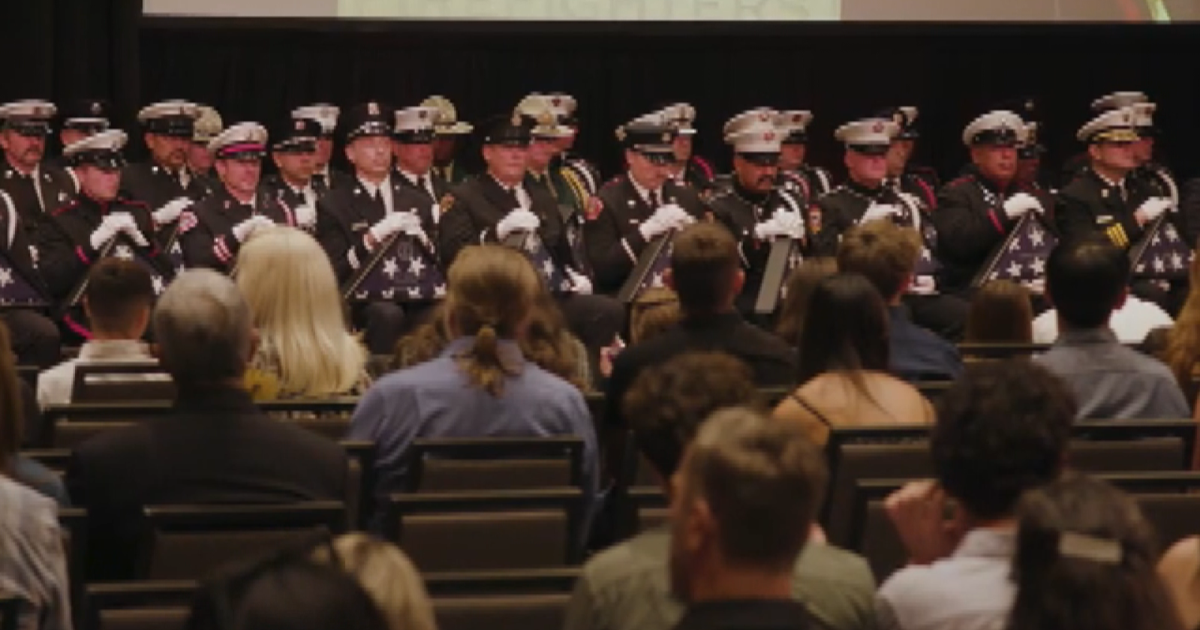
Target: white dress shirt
<point x="384" y="189"/>
<point x="1131" y="323"/>
<point x="55" y="385"/>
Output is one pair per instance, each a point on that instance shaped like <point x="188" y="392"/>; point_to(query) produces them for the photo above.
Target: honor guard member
<point x="977" y="210"/>
<point x="581" y="172"/>
<point x="35" y="186"/>
<point x="496" y="204"/>
<point x="1108" y="197"/>
<point x="815" y="180"/>
<point x="1029" y="158"/>
<point x="1076" y="165"/>
<point x="82" y="230"/>
<point x="1157" y="176"/>
<point x="412" y="145"/>
<point x="199" y="161"/>
<point x="918" y="181"/>
<point x="637" y="206"/>
<point x="294" y="151"/>
<point x="86" y="117"/>
<point x="213" y="231"/>
<point x="324" y="176"/>
<point x="687" y="168"/>
<point x="448" y="134"/>
<point x="24" y="294"/>
<point x="353" y="221"/>
<point x="759" y="206"/>
<point x="169" y="127"/>
<point x="544" y="171"/>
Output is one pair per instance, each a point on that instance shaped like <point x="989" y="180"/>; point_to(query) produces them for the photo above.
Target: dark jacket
<point x="213" y="447"/>
<point x="211" y="242"/>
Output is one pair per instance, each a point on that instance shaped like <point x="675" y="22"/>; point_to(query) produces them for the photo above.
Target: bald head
<point x="203" y="329"/>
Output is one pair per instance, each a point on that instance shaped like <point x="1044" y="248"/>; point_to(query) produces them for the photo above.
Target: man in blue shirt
<point x="886" y="254"/>
<point x="480" y="385"/>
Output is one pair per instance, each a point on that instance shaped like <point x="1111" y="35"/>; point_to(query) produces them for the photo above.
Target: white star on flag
<point x="1014" y="270"/>
<point x="794" y="258"/>
<point x="1176" y="261"/>
<point x="362" y="295"/>
<point x="1036" y="236"/>
<point x="1159" y="266"/>
<point x="1016" y="245"/>
<point x="123" y="252"/>
<point x="157" y="281"/>
<point x="388" y="293"/>
<point x="656" y="281"/>
<point x="1141" y="268"/>
<point x="5" y="276"/>
<point x="1038" y="266"/>
<point x="1155" y="240"/>
<point x="1171" y="235"/>
<point x="390" y="268"/>
<point x="414" y="292"/>
<point x="33" y="253"/>
<point x="415" y="266"/>
<point x="439" y="290"/>
<point x="925" y="254"/>
<point x="547" y="267"/>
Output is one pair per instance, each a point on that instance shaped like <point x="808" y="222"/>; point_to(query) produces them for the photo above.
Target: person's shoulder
<point x="825" y="574"/>
<point x="28" y="514"/>
<point x="619" y="567"/>
<point x="122" y="444"/>
<point x="433" y="373"/>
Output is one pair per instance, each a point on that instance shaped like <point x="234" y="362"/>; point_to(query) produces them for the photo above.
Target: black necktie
<point x="423" y="184"/>
<point x="377" y="201"/>
<point x="653" y="200"/>
<point x="318" y="182"/>
<point x="512" y="196"/>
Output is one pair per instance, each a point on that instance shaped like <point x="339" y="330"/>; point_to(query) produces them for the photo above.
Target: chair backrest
<point x="1151" y="454"/>
<point x="327" y="426"/>
<point x="872" y="534"/>
<point x="138" y="605"/>
<point x="1108" y="430"/>
<point x="856" y="462"/>
<point x="185" y="542"/>
<point x="1001" y="350"/>
<point x="56" y="459"/>
<point x="1173" y="515"/>
<point x="510" y="582"/>
<point x="10" y="613"/>
<point x="932" y="389"/>
<point x="488" y="530"/>
<point x="467" y="464"/>
<point x="73" y="523"/>
<point x="501" y="612"/>
<point x="29" y="374"/>
<point x="649" y="507"/>
<point x="122" y="382"/>
<point x="360" y="481"/>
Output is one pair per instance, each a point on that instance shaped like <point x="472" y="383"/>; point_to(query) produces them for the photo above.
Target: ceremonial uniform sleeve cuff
<point x="221" y="250"/>
<point x="1116" y="233"/>
<point x="85" y="253"/>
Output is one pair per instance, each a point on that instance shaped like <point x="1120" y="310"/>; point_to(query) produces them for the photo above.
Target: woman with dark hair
<point x="1001" y="312"/>
<point x="12" y="428"/>
<point x="798" y="291"/>
<point x="844" y="361"/>
<point x="1085" y="560"/>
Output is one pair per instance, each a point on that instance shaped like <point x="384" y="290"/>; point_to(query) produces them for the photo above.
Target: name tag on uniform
<point x="358" y="227"/>
<point x="1104" y="219"/>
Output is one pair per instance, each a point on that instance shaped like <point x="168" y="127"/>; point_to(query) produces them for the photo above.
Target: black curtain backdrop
<point x="259" y="70"/>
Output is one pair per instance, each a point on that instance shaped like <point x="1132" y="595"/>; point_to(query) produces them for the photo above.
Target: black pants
<point x="35" y="337"/>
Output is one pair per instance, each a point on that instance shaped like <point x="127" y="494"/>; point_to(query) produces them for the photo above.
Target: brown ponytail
<point x="491" y="292"/>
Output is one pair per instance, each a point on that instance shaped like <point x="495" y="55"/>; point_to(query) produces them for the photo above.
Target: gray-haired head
<point x="203" y="329"/>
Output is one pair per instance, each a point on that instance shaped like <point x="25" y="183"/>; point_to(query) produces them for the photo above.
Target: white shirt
<point x="522" y="196"/>
<point x="306" y="191"/>
<point x="644" y="193"/>
<point x="384" y="188"/>
<point x="1131" y="323"/>
<point x="416" y="180"/>
<point x="55" y="385"/>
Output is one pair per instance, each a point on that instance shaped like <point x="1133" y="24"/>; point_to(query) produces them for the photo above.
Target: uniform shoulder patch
<point x="446" y="202"/>
<point x="594" y="207"/>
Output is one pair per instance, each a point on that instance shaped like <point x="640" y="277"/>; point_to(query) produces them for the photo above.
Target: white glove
<point x="1020" y="203"/>
<point x="516" y="221"/>
<point x="789" y="224"/>
<point x="306" y="216"/>
<point x="126" y="223"/>
<point x="403" y="222"/>
<point x="245" y="229"/>
<point x="665" y="218"/>
<point x="108" y="228"/>
<point x="1153" y="208"/>
<point x="877" y="211"/>
<point x="170" y="211"/>
<point x="923" y="285"/>
<point x="581" y="284"/>
<point x="676" y="215"/>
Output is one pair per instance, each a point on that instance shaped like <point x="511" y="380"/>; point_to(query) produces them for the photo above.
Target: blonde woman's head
<point x="294" y="299"/>
<point x="388" y="576"/>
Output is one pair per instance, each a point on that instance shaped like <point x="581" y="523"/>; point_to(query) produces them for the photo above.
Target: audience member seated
<point x="1001" y="430"/>
<point x="706" y="273"/>
<point x="213" y="447"/>
<point x="1085" y="558"/>
<point x="387" y="575"/>
<point x="742" y="504"/>
<point x="305" y="348"/>
<point x="482" y="384"/>
<point x="843" y="364"/>
<point x="1001" y="312"/>
<point x="117" y="302"/>
<point x="12" y="428"/>
<point x="654" y="312"/>
<point x="1182" y="353"/>
<point x="285" y="592"/>
<point x="1131" y="322"/>
<point x="797" y="291"/>
<point x="1179" y="569"/>
<point x="34" y="570"/>
<point x="886" y="254"/>
<point x="1086" y="280"/>
<point x="627" y="587"/>
<point x="547" y="343"/>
